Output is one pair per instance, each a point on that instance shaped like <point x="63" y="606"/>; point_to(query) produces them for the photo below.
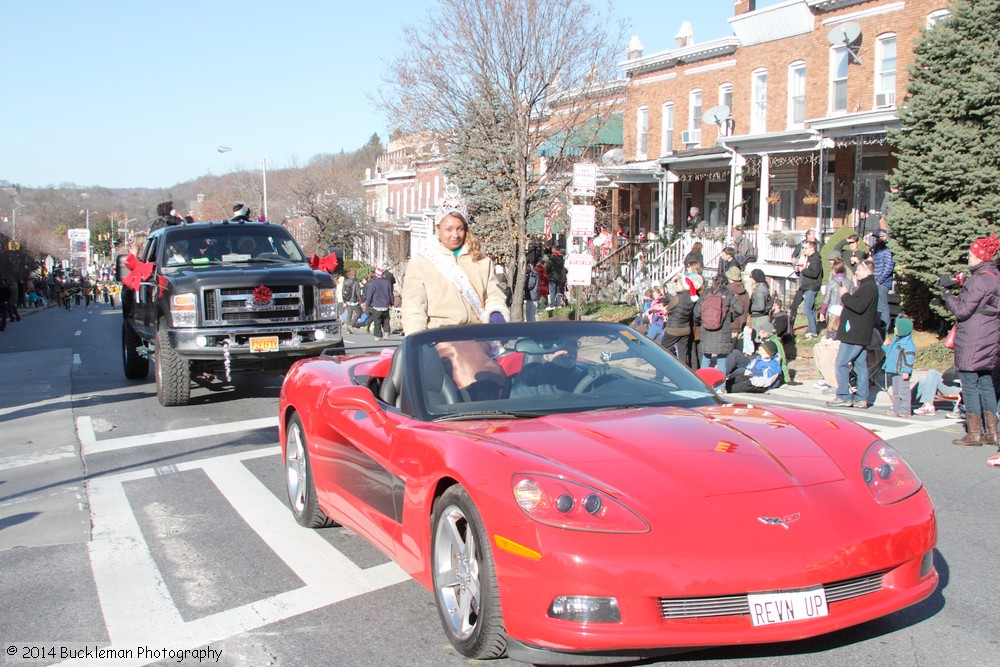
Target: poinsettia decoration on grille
<point x="262" y="295"/>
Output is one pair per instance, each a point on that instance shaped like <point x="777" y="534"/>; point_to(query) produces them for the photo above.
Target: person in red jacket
<point x="543" y="284"/>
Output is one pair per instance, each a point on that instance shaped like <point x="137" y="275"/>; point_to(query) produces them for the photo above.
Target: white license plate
<point x="264" y="344"/>
<point x="771" y="608"/>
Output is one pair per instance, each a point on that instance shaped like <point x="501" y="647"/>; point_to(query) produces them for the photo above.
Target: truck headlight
<point x="182" y="310"/>
<point x="327" y="304"/>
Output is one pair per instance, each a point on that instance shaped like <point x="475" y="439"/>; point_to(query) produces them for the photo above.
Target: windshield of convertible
<point x="527" y="370"/>
<point x="194" y="245"/>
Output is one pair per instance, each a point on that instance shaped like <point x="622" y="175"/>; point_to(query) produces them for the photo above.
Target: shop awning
<point x="593" y="132"/>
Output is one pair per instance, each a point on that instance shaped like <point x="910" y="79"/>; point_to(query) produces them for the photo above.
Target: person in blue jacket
<point x="900" y="353"/>
<point x="762" y="373"/>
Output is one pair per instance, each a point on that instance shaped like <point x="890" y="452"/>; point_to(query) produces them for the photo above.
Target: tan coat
<point x="431" y="299"/>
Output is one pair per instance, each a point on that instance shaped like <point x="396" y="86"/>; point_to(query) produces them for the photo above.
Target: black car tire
<point x="173" y="372"/>
<point x="135" y="365"/>
<point x="299" y="478"/>
<point x="464" y="578"/>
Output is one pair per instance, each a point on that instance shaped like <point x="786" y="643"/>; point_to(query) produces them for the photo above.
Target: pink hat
<point x="985" y="249"/>
<point x="378" y="272"/>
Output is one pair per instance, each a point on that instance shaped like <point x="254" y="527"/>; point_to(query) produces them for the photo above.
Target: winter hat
<point x="985" y="249"/>
<point x="766" y="328"/>
<point x="757" y="275"/>
<point x="378" y="272"/>
<point x="904" y="326"/>
<point x="734" y="274"/>
<point x="240" y="210"/>
<point x="694" y="283"/>
<point x="771" y="348"/>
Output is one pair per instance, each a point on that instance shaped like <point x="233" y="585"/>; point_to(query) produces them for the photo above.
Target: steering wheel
<point x="598" y="372"/>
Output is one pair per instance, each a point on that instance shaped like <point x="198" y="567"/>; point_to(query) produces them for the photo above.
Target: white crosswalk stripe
<point x="128" y="578"/>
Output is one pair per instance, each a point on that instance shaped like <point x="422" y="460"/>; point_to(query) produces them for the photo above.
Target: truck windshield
<point x="221" y="244"/>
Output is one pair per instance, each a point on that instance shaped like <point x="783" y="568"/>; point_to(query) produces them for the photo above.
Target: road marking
<point x="78" y="333"/>
<point x="77" y="361"/>
<point x="127" y="577"/>
<point x="91" y="445"/>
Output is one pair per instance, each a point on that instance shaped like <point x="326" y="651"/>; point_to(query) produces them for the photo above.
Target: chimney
<point x="634" y="48"/>
<point x="744" y="7"/>
<point x="685" y="35"/>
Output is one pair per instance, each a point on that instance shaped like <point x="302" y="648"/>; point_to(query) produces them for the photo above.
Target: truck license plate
<point x="771" y="608"/>
<point x="264" y="344"/>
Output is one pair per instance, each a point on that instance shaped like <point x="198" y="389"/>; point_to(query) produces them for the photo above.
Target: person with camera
<point x="977" y="342"/>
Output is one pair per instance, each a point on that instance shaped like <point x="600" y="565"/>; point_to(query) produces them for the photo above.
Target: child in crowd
<point x="762" y="373"/>
<point x="900" y="353"/>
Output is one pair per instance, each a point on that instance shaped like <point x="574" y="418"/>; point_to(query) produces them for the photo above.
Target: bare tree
<point x="500" y="79"/>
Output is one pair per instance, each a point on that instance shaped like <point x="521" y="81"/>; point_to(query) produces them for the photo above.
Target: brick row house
<point x="779" y="128"/>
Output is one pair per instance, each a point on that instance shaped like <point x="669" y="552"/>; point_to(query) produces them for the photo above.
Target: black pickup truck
<point x="221" y="297"/>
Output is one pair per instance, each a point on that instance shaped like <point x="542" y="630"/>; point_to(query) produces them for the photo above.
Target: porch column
<point x="669" y="185"/>
<point x="736" y="191"/>
<point x="765" y="186"/>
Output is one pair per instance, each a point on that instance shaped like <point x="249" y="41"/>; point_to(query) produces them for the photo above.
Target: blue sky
<point x="134" y="93"/>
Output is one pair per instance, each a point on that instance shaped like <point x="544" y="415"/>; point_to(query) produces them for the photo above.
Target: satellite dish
<point x="717" y="115"/>
<point x="847" y="35"/>
<point x="613" y="156"/>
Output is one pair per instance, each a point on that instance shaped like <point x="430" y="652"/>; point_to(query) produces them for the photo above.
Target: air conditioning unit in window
<point x="691" y="136"/>
<point x="885" y="100"/>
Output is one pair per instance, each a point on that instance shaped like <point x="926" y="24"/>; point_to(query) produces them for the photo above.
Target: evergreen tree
<point x="949" y="151"/>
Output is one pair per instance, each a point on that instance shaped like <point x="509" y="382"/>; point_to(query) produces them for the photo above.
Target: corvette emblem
<point x="776" y="521"/>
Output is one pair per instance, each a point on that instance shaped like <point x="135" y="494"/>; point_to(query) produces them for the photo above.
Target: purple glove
<point x="496" y="318"/>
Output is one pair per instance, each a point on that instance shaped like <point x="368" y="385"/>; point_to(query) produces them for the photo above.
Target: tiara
<point x="452" y="202"/>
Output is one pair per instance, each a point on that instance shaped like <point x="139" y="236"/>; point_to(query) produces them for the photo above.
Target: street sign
<point x="579" y="269"/>
<point x="585" y="179"/>
<point x="582" y="218"/>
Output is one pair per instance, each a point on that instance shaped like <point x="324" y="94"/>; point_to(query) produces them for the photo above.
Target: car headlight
<point x="556" y="501"/>
<point x="182" y="310"/>
<point x="887" y="475"/>
<point x="327" y="301"/>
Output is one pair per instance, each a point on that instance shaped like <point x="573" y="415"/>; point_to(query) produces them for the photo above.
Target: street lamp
<point x="125" y="232"/>
<point x="263" y="169"/>
<point x="14" y="223"/>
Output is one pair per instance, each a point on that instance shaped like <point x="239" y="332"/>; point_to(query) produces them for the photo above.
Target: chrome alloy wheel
<point x="457" y="576"/>
<point x="295" y="468"/>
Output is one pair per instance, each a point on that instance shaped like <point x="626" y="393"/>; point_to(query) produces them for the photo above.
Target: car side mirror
<point x="356" y="398"/>
<point x="713" y="377"/>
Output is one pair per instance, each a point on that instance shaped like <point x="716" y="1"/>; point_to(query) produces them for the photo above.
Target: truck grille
<point x="234" y="305"/>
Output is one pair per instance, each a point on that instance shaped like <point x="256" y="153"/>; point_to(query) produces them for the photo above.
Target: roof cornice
<point x="724" y="46"/>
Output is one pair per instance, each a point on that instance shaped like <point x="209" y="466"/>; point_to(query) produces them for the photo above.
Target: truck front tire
<point x="173" y="372"/>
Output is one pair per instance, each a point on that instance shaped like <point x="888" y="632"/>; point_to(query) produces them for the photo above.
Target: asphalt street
<point x="125" y="524"/>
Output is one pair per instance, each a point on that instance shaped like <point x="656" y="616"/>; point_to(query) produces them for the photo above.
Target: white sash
<point x="453" y="272"/>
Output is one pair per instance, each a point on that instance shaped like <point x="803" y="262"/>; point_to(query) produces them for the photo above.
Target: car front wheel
<point x="299" y="478"/>
<point x="465" y="583"/>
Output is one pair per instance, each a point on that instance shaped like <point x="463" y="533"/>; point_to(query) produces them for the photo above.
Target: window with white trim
<point x="758" y="96"/>
<point x="796" y="95"/>
<point x="726" y="95"/>
<point x="641" y="133"/>
<point x="667" y="129"/>
<point x="885" y="71"/>
<point x="839" y="60"/>
<point x="937" y="15"/>
<point x="693" y="134"/>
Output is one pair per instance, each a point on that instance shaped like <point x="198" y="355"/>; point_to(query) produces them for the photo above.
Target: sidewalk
<point x="42" y="496"/>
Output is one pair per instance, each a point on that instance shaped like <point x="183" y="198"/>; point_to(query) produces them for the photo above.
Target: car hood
<point x="704" y="452"/>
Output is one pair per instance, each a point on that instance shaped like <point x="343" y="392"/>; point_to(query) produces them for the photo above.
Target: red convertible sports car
<point x="571" y="494"/>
